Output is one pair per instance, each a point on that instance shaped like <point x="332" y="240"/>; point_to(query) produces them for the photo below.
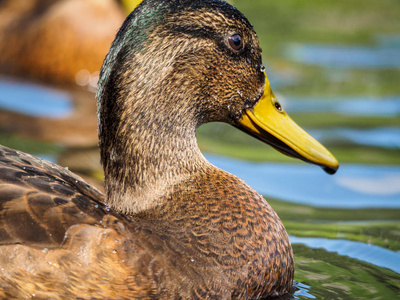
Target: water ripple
<point x="369" y="253"/>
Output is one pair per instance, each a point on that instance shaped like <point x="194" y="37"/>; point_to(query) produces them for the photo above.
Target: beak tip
<point x="330" y="170"/>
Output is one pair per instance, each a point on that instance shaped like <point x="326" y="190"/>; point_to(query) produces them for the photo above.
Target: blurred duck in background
<point x="63" y="41"/>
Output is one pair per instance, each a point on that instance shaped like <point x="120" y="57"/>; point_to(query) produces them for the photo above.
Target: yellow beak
<point x="268" y="122"/>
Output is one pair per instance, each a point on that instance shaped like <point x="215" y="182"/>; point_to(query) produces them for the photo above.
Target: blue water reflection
<point x="372" y="254"/>
<point x="354" y="186"/>
<point x="34" y="100"/>
<point x="385" y="54"/>
<point x="384" y="137"/>
<point x="303" y="291"/>
<point x="364" y="106"/>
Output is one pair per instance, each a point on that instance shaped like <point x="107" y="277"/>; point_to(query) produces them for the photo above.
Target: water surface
<point x="388" y="106"/>
<point x="34" y="99"/>
<point x="384" y="137"/>
<point x="384" y="54"/>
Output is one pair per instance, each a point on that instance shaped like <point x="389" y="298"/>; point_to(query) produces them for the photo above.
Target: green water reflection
<point x="379" y="227"/>
<point x="331" y="276"/>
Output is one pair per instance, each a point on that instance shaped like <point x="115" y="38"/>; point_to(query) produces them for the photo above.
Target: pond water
<point x="384" y="54"/>
<point x="385" y="137"/>
<point x="33" y="99"/>
<point x="388" y="106"/>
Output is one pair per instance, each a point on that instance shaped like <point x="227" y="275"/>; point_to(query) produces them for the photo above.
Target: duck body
<point x="173" y="226"/>
<point x="221" y="249"/>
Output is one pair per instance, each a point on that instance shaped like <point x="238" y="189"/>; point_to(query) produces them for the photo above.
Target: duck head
<point x="176" y="65"/>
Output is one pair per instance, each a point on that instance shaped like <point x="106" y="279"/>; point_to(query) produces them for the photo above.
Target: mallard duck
<point x="56" y="40"/>
<point x="170" y="225"/>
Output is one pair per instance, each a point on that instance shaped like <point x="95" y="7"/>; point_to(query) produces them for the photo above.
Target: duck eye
<point x="236" y="42"/>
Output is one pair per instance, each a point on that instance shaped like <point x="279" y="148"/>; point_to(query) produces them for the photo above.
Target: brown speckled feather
<point x="40" y="200"/>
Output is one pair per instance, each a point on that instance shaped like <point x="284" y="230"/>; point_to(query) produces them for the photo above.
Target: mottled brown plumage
<point x="66" y="243"/>
<point x="175" y="227"/>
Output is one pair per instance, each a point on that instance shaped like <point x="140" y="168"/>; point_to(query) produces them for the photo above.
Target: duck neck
<point x="147" y="148"/>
